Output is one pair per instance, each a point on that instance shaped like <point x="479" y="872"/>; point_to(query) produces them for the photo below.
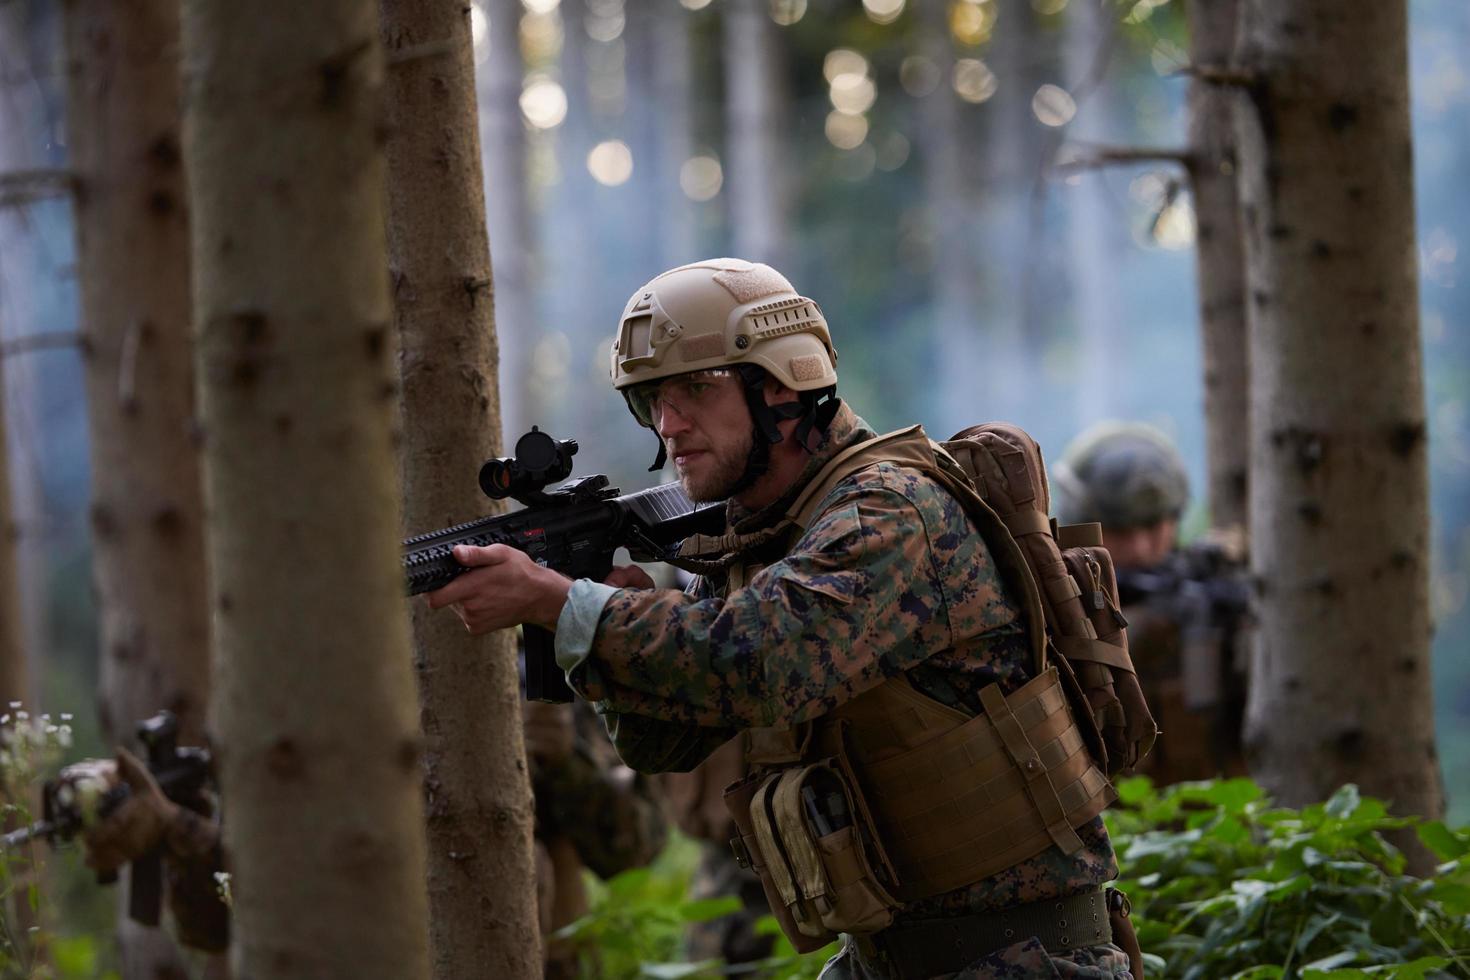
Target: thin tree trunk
<point x="1220" y="261"/>
<point x="507" y="213"/>
<point x="133" y="271"/>
<point x="1340" y="682"/>
<point x="1095" y="233"/>
<point x="673" y="82"/>
<point x="21" y="124"/>
<point x="14" y="684"/>
<point x="950" y="214"/>
<point x="754" y="97"/>
<point x="480" y="813"/>
<point x="319" y="752"/>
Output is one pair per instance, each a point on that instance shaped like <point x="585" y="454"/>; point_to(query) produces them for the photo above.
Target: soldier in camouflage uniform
<point x="591" y="811"/>
<point x="889" y="583"/>
<point x="1186" y="607"/>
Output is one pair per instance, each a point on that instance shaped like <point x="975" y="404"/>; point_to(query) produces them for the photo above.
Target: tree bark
<point x="14" y="677"/>
<point x="1220" y="264"/>
<point x="147" y="510"/>
<point x="754" y="96"/>
<point x="319" y="755"/>
<point x="1340" y="682"/>
<point x="480" y="813"/>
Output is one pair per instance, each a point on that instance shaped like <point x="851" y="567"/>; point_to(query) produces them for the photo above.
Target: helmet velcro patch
<point x="749" y="285"/>
<point x="808" y="367"/>
<point x="699" y="347"/>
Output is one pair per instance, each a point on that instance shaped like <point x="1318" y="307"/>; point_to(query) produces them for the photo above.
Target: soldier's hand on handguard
<point x="137" y="825"/>
<point x="503" y="588"/>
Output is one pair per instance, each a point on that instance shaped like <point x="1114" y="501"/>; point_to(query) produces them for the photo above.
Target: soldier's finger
<point x="474" y="556"/>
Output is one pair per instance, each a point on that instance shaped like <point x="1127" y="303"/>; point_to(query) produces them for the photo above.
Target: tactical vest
<point x="920" y="798"/>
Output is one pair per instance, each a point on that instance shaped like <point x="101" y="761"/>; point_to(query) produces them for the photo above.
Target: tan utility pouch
<point x="1103" y="665"/>
<point x="801" y="834"/>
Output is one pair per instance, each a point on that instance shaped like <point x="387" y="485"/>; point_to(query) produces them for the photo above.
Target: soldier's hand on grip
<point x="136" y="825"/>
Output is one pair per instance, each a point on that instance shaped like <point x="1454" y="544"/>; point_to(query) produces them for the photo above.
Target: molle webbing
<point x="986" y="794"/>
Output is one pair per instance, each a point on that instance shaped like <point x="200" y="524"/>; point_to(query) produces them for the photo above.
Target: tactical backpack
<point x="1079" y="590"/>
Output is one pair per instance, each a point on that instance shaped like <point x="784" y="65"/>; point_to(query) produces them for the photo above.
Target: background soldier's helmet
<point x="1122" y="474"/>
<point x="723" y="313"/>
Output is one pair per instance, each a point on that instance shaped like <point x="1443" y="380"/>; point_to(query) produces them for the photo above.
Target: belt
<point x="932" y="947"/>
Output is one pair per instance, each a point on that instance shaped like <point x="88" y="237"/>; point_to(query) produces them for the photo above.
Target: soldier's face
<point x="708" y="438"/>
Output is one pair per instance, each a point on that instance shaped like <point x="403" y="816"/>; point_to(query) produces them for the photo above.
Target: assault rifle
<point x="574" y="529"/>
<point x="72" y="804"/>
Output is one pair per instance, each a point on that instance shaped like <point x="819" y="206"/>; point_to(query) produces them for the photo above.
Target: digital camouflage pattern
<point x="1028" y="960"/>
<point x="611" y="814"/>
<point x="890" y="578"/>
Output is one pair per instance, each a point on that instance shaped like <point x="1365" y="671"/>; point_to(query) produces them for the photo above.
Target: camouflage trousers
<point x="1024" y="961"/>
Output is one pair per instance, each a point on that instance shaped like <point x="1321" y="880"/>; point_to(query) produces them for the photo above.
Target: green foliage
<point x="636" y="926"/>
<point x="1225" y="885"/>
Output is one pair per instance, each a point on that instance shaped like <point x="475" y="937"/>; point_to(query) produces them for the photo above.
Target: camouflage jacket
<point x="889" y="573"/>
<point x="611" y="814"/>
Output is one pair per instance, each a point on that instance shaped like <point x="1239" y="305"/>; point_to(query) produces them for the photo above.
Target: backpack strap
<point x="912" y="449"/>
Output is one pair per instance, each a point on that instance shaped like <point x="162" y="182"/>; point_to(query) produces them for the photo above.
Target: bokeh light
<point x="883" y="11"/>
<point x="787" y="12"/>
<point x="1053" y="105"/>
<point x="701" y="177"/>
<point x="973" y="80"/>
<point x="853" y="94"/>
<point x="1174" y="228"/>
<point x="843" y="61"/>
<point x="610" y="163"/>
<point x="846" y="131"/>
<point x="540" y="6"/>
<point x="893" y="151"/>
<point x="541" y="37"/>
<point x="480" y="32"/>
<point x="918" y="75"/>
<point x="543" y="102"/>
<point x="694" y="4"/>
<point x="1168" y="58"/>
<point x="972" y="21"/>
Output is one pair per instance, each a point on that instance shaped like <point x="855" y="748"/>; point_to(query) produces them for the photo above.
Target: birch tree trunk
<point x="754" y="100"/>
<point x="1220" y="264"/>
<point x="1340" y="682"/>
<point x="480" y="813"/>
<point x="319" y="753"/>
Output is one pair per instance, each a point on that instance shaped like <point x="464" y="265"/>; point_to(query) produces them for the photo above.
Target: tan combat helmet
<point x="733" y="314"/>
<point x="723" y="313"/>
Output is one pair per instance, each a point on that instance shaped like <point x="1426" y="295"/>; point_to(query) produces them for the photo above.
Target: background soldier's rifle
<point x="72" y="804"/>
<point x="574" y="529"/>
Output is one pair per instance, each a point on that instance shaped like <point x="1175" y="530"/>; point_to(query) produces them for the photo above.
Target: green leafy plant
<point x="1225" y="885"/>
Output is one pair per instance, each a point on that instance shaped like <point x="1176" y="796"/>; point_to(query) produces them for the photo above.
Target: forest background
<point x="1008" y="285"/>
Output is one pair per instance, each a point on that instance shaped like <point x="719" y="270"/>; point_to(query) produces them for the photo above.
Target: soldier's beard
<point x="715" y="475"/>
